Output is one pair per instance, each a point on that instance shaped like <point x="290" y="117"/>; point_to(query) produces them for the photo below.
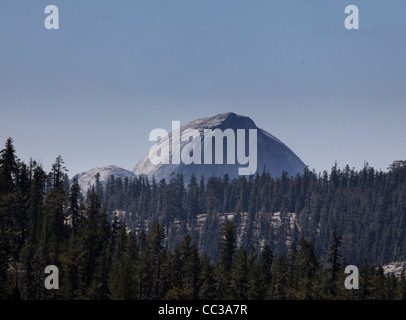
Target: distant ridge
<point x="87" y="179"/>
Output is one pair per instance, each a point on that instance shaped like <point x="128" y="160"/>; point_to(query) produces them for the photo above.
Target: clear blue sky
<point x="93" y="90"/>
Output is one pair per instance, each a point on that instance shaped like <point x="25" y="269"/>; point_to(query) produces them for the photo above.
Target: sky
<point x="115" y="70"/>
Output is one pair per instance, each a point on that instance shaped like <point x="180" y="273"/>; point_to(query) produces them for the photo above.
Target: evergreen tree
<point x="73" y="205"/>
<point x="92" y="241"/>
<point x="157" y="255"/>
<point x="58" y="173"/>
<point x="255" y="284"/>
<point x="265" y="271"/>
<point x="334" y="261"/>
<point x="186" y="266"/>
<point x="32" y="257"/>
<point x="239" y="275"/>
<point x="8" y="175"/>
<point x="192" y="200"/>
<point x="227" y="244"/>
<point x="206" y="280"/>
<point x="308" y="267"/>
<point x="70" y="259"/>
<point x="401" y="292"/>
<point x="8" y="168"/>
<point x="280" y="279"/>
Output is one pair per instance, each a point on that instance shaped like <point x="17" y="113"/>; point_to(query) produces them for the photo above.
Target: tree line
<point x="368" y="208"/>
<point x="44" y="220"/>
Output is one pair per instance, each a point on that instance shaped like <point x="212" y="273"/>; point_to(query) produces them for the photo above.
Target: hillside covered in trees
<point x="367" y="207"/>
<point x="256" y="238"/>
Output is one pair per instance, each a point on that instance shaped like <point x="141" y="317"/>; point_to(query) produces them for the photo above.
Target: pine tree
<point x="5" y="254"/>
<point x="192" y="200"/>
<point x="69" y="260"/>
<point x="32" y="257"/>
<point x="73" y="205"/>
<point x="401" y="292"/>
<point x="21" y="204"/>
<point x="366" y="273"/>
<point x="98" y="188"/>
<point x="255" y="285"/>
<point x="8" y="168"/>
<point x="227" y="244"/>
<point x="294" y="276"/>
<point x="206" y="280"/>
<point x="58" y="172"/>
<point x="144" y="272"/>
<point x="185" y="265"/>
<point x="8" y="175"/>
<point x="279" y="289"/>
<point x="239" y="275"/>
<point x="334" y="261"/>
<point x="378" y="283"/>
<point x="123" y="258"/>
<point x="157" y="256"/>
<point x="93" y="235"/>
<point x="265" y="271"/>
<point x="53" y="229"/>
<point x="308" y="267"/>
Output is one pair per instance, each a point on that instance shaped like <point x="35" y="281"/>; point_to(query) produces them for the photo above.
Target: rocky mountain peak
<point x="272" y="154"/>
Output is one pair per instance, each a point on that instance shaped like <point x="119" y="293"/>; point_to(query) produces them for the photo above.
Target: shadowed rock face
<point x="272" y="154"/>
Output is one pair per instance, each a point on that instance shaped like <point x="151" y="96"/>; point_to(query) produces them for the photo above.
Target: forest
<point x="367" y="207"/>
<point x="139" y="240"/>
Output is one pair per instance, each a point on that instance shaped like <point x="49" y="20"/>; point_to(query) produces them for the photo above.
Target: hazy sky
<point x="94" y="89"/>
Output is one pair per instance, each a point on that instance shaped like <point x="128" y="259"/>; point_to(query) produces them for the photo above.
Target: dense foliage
<point x="367" y="207"/>
<point x="139" y="254"/>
